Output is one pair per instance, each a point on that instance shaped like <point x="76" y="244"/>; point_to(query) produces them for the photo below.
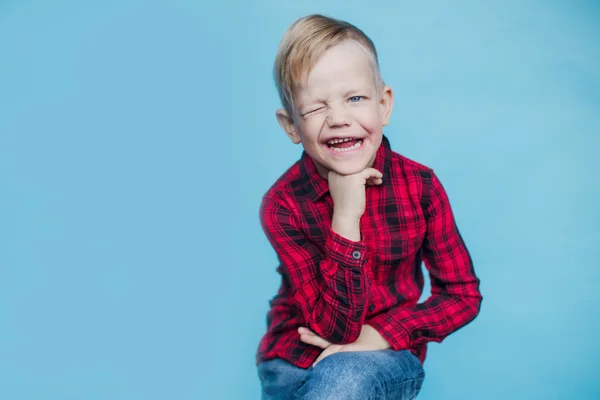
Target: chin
<point x="348" y="169"/>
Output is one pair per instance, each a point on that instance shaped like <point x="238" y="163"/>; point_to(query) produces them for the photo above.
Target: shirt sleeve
<point x="455" y="297"/>
<point x="329" y="286"/>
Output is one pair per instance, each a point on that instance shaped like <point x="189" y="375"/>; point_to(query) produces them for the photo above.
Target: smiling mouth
<point x="344" y="144"/>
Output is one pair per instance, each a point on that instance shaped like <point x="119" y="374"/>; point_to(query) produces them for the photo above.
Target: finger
<point x="308" y="336"/>
<point x="353" y="347"/>
<point x="304" y="330"/>
<point x="327" y="352"/>
<point x="374" y="181"/>
<point x="315" y="340"/>
<point x="371" y="173"/>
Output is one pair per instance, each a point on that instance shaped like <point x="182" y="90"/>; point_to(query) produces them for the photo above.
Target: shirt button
<point x="371" y="307"/>
<point x="356" y="254"/>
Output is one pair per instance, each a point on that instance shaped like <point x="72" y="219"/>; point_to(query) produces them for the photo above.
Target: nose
<point x="337" y="116"/>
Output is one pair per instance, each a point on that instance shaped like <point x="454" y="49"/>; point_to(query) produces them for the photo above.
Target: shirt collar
<point x="317" y="185"/>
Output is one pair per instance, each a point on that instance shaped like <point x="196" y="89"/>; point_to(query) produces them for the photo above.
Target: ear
<point x="287" y="124"/>
<point x="386" y="103"/>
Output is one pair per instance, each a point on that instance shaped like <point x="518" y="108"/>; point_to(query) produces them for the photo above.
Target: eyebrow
<point x="359" y="89"/>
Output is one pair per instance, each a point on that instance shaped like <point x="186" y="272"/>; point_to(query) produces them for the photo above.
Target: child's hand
<point x="369" y="339"/>
<point x="349" y="200"/>
<point x="348" y="191"/>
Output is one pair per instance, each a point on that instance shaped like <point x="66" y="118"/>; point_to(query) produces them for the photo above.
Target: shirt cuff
<point x="345" y="251"/>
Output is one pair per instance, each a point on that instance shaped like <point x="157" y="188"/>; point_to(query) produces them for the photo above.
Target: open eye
<point x="356" y="99"/>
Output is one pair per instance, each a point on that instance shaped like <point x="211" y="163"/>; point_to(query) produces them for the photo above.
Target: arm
<point x="455" y="298"/>
<point x="328" y="287"/>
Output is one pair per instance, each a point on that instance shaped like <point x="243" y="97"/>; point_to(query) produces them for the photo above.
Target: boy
<point x="351" y="222"/>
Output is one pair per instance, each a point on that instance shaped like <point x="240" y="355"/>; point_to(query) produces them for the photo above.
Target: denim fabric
<point x="364" y="375"/>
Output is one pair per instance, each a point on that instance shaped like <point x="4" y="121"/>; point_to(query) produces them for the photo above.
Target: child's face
<point x="340" y="101"/>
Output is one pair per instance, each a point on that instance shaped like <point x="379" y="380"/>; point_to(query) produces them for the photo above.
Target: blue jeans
<point x="364" y="375"/>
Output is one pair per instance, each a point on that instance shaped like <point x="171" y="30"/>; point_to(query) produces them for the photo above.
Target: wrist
<point x="346" y="226"/>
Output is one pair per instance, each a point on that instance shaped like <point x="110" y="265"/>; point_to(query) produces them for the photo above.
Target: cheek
<point x="311" y="128"/>
<point x="369" y="119"/>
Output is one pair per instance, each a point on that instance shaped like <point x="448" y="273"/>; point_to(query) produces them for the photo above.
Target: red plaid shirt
<point x="333" y="285"/>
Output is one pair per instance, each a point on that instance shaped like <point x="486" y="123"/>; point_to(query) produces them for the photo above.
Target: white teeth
<point x="343" y="149"/>
<point x="334" y="141"/>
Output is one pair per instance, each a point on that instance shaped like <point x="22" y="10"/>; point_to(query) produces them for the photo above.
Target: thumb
<point x="369" y="173"/>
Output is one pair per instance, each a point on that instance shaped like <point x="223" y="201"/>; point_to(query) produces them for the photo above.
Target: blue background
<point x="137" y="138"/>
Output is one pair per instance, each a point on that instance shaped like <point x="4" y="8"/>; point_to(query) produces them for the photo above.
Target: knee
<point x="342" y="376"/>
<point x="364" y="375"/>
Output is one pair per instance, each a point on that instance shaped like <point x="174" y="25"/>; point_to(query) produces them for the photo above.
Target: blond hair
<point x="304" y="42"/>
